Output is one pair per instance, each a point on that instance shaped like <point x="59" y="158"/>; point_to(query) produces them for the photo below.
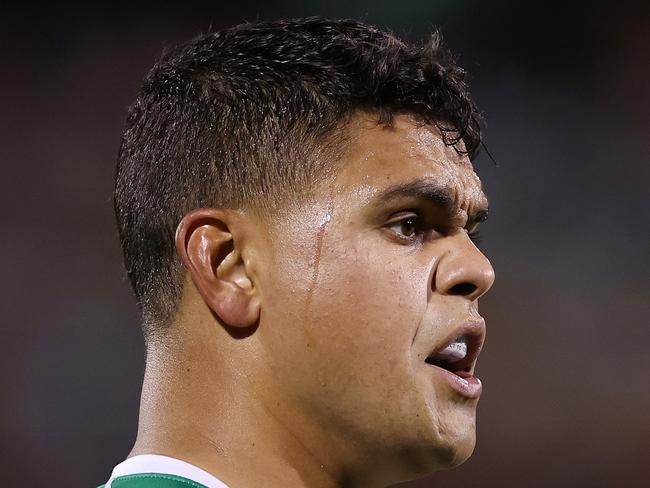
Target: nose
<point x="463" y="270"/>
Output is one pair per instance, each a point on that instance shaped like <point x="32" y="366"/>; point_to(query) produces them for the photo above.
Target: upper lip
<point x="474" y="331"/>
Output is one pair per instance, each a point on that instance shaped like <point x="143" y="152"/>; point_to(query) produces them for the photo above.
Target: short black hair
<point x="248" y="116"/>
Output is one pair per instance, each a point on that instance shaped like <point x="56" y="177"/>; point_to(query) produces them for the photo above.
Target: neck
<point x="199" y="406"/>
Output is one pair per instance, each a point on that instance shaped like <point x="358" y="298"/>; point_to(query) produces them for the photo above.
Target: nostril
<point x="462" y="289"/>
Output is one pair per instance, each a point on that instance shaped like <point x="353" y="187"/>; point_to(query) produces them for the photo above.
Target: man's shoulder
<point x="153" y="480"/>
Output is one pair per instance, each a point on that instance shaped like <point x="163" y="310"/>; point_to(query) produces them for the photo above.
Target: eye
<point x="475" y="236"/>
<point x="406" y="228"/>
<point x="473" y="232"/>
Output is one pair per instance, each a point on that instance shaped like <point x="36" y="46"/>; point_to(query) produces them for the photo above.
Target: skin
<point x="297" y="357"/>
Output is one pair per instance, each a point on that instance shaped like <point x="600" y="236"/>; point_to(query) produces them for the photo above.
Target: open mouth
<point x="458" y="354"/>
<point x="453" y="357"/>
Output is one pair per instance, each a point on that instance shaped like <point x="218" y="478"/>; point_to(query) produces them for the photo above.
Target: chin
<point x="453" y="442"/>
<point x="443" y="450"/>
<point x="422" y="461"/>
<point x="456" y="452"/>
<point x="455" y="434"/>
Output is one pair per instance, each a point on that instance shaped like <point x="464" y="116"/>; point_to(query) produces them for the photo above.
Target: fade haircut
<point x="251" y="116"/>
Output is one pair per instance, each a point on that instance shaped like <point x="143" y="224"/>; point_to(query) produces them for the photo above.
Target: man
<point x="296" y="206"/>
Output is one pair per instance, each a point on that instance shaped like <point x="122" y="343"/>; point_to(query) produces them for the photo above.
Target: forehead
<point x="380" y="157"/>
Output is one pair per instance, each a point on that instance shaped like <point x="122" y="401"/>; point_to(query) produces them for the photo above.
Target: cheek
<point x="368" y="304"/>
<point x="344" y="318"/>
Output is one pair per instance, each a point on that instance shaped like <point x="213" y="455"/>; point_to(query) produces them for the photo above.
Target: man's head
<point x="310" y="181"/>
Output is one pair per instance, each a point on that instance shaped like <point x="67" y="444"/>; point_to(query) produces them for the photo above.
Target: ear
<point x="209" y="245"/>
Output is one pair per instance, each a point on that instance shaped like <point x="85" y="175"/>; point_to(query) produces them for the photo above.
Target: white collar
<point x="154" y="463"/>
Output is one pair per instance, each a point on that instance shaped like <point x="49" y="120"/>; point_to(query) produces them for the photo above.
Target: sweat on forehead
<point x="407" y="151"/>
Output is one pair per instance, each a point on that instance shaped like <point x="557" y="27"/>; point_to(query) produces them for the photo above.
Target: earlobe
<point x="209" y="250"/>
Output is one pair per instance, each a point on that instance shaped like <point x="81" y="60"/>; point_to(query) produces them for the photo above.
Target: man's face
<point x="365" y="283"/>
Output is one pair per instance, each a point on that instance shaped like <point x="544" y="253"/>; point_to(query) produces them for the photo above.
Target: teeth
<point x="455" y="351"/>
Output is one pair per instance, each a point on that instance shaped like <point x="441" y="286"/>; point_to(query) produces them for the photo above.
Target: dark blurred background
<point x="564" y="87"/>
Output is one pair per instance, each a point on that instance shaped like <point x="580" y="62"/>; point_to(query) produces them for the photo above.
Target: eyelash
<point x="417" y="225"/>
<point x="474" y="235"/>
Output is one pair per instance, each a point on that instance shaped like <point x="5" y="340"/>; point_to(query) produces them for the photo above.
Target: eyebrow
<point x="432" y="191"/>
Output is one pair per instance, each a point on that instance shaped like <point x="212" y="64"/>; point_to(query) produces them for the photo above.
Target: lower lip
<point x="468" y="386"/>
